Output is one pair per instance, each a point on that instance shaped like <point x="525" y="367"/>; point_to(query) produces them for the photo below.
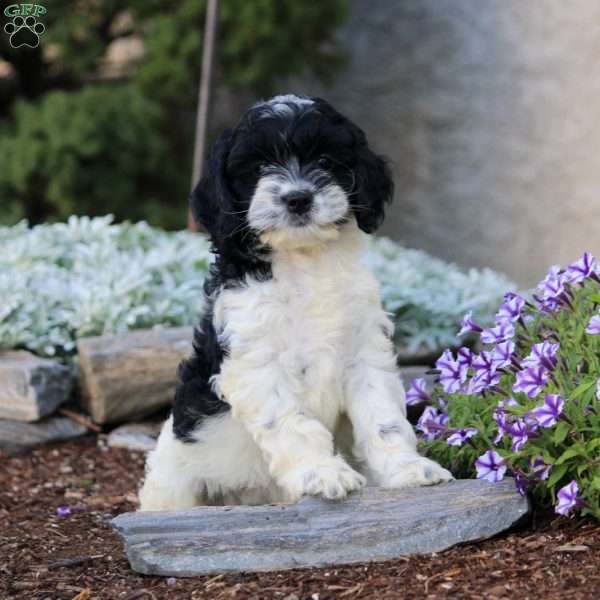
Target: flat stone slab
<point x="135" y="436"/>
<point x="32" y="387"/>
<point x="128" y="376"/>
<point x="17" y="437"/>
<point x="375" y="524"/>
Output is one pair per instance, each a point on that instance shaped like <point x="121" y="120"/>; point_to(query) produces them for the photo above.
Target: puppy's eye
<point x="325" y="162"/>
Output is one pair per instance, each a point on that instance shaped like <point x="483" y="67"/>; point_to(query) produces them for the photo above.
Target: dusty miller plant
<point x="91" y="277"/>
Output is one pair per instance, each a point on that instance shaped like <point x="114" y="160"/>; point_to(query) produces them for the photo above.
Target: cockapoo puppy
<point x="293" y="386"/>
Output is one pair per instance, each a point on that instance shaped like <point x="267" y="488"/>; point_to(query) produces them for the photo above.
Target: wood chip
<point x="572" y="548"/>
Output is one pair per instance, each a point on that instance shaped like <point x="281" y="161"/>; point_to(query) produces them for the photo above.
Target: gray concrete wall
<point x="490" y="113"/>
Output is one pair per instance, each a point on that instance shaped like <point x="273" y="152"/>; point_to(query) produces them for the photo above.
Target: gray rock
<point x="135" y="436"/>
<point x="17" y="437"/>
<point x="32" y="387"/>
<point x="485" y="116"/>
<point x="129" y="376"/>
<point x="375" y="524"/>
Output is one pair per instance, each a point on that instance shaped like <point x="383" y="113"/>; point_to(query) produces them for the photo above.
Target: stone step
<point x="375" y="524"/>
<point x="128" y="376"/>
<point x="135" y="436"/>
<point x="17" y="437"/>
<point x="32" y="387"/>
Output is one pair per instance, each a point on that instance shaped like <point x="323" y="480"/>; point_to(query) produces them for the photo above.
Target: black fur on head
<point x="304" y="135"/>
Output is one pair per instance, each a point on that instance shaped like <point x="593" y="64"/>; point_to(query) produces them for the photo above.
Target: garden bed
<point x="547" y="558"/>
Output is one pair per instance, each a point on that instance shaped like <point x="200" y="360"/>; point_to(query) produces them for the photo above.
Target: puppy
<point x="293" y="387"/>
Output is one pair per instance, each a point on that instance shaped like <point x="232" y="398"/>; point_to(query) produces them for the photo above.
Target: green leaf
<point x="581" y="389"/>
<point x="557" y="474"/>
<point x="567" y="454"/>
<point x="561" y="432"/>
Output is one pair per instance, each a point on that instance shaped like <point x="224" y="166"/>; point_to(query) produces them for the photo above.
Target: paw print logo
<point x="24" y="31"/>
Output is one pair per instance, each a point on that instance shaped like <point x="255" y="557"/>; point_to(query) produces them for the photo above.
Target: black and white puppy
<point x="293" y="378"/>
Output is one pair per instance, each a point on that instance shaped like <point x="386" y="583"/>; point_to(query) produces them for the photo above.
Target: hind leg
<point x="221" y="465"/>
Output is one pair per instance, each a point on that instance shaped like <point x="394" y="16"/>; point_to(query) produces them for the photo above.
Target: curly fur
<point x="293" y="387"/>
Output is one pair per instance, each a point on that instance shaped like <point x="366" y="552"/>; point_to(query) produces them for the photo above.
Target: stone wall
<point x="490" y="114"/>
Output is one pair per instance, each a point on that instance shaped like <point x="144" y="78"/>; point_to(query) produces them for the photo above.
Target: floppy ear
<point x="374" y="187"/>
<point x="211" y="198"/>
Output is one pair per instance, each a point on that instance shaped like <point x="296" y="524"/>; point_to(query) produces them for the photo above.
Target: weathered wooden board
<point x="32" y="387"/>
<point x="375" y="524"/>
<point x="131" y="375"/>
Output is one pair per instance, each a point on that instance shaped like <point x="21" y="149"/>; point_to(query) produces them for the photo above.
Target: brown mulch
<point x="45" y="556"/>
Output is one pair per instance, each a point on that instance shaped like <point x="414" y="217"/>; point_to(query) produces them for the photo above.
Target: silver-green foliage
<point x="90" y="277"/>
<point x="428" y="297"/>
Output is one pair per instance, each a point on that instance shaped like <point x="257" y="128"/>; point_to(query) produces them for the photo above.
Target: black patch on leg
<point x="194" y="398"/>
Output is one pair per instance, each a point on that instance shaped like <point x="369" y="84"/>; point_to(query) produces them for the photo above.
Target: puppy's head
<point x="291" y="174"/>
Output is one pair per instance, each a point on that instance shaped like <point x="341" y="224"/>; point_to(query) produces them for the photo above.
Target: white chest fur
<point x="303" y="326"/>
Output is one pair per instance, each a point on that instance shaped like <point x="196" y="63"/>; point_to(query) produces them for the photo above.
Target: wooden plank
<point x="375" y="524"/>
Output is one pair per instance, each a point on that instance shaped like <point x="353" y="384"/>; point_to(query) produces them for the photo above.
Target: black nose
<point x="298" y="202"/>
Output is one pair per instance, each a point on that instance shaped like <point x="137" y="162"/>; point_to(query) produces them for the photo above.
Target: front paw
<point x="330" y="478"/>
<point x="415" y="471"/>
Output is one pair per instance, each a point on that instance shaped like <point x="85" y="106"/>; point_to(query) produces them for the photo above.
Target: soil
<point x="78" y="556"/>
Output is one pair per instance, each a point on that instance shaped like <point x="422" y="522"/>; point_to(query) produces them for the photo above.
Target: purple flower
<point x="519" y="432"/>
<point x="484" y="363"/>
<point x="531" y="381"/>
<point x="417" y="393"/>
<point x="593" y="327"/>
<point x="501" y="418"/>
<point x="63" y="511"/>
<point x="548" y="304"/>
<point x="542" y="355"/>
<point x="598" y="390"/>
<point x="481" y="382"/>
<point x="502" y="354"/>
<point x="547" y="415"/>
<point x="485" y="374"/>
<point x="522" y="483"/>
<point x="490" y="466"/>
<point x="468" y="325"/>
<point x="552" y="287"/>
<point x="511" y="308"/>
<point x="567" y="498"/>
<point x="540" y="469"/>
<point x="460" y="436"/>
<point x="582" y="269"/>
<point x="432" y="423"/>
<point x="531" y="422"/>
<point x="464" y="357"/>
<point x="500" y="333"/>
<point x="452" y="374"/>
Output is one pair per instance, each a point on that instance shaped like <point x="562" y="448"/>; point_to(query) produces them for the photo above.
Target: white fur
<point x="284" y="104"/>
<point x="267" y="212"/>
<point x="306" y="349"/>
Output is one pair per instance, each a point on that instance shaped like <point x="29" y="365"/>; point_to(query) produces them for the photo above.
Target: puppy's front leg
<point x="298" y="448"/>
<point x="383" y="437"/>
